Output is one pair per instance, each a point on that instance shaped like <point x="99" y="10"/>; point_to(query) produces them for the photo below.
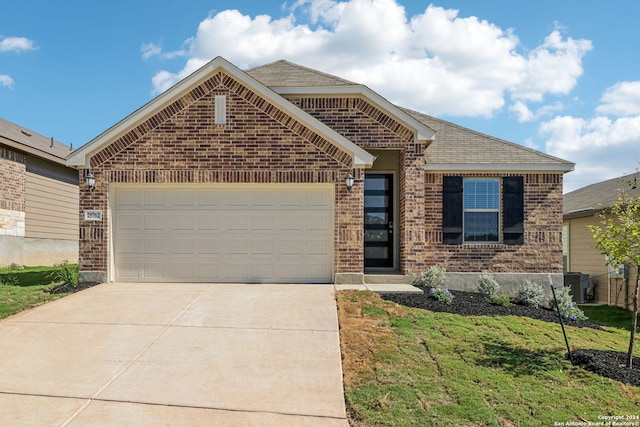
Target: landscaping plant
<point x="567" y="308"/>
<point x="530" y="293"/>
<point x="442" y="294"/>
<point x="434" y="277"/>
<point x="618" y="237"/>
<point x="65" y="273"/>
<point x="488" y="286"/>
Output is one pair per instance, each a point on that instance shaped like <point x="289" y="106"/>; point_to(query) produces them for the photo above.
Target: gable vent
<point x="221" y="110"/>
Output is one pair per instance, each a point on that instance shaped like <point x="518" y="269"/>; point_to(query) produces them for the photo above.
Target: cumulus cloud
<point x="6" y="81"/>
<point x="437" y="61"/>
<point x="16" y="44"/>
<point x="601" y="147"/>
<point x="621" y="99"/>
<point x="151" y="49"/>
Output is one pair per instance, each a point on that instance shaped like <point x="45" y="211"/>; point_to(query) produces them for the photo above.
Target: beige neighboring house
<point x="613" y="286"/>
<point x="38" y="199"/>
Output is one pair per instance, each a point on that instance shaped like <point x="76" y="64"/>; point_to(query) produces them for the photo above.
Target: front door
<point x="378" y="221"/>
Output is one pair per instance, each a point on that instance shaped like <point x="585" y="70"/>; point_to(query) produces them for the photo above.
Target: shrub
<point x="434" y="277"/>
<point x="66" y="273"/>
<point x="566" y="307"/>
<point x="487" y="285"/>
<point x="502" y="300"/>
<point x="9" y="279"/>
<point x="442" y="294"/>
<point x="530" y="294"/>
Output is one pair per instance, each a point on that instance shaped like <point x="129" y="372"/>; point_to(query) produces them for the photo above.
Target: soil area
<point x="610" y="364"/>
<point x="69" y="288"/>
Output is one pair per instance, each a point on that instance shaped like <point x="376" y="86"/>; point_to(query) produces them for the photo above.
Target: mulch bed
<point x="610" y="364"/>
<point x="69" y="288"/>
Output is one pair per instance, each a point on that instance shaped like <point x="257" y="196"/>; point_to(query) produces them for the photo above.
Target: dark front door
<point x="378" y="220"/>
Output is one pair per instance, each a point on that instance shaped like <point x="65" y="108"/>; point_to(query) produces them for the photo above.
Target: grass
<point x="31" y="290"/>
<point x="617" y="317"/>
<point x="412" y="367"/>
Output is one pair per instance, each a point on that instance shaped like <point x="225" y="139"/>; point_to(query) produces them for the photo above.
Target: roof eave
<point x="502" y="167"/>
<point x="32" y="150"/>
<point x="80" y="157"/>
<point x="422" y="132"/>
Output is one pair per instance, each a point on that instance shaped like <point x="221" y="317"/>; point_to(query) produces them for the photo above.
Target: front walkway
<point x="175" y="354"/>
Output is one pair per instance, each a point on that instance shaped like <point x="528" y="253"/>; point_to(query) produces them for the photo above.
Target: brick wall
<point x="541" y="252"/>
<point x="259" y="144"/>
<point x="12" y="203"/>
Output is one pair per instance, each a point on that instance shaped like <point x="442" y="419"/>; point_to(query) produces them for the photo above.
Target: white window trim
<point x="498" y="211"/>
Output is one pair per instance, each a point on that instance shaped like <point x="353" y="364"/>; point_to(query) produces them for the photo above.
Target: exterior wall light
<point x="349" y="180"/>
<point x="90" y="180"/>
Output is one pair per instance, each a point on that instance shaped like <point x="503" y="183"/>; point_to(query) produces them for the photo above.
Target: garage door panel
<point x="242" y="234"/>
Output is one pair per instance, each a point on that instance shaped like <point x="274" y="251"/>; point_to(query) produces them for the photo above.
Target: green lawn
<point x="30" y="290"/>
<point x="439" y="369"/>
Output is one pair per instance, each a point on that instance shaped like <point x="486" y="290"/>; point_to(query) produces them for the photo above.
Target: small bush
<point x="9" y="279"/>
<point x="66" y="273"/>
<point x="14" y="266"/>
<point x="530" y="294"/>
<point x="487" y="285"/>
<point x="434" y="277"/>
<point x="502" y="300"/>
<point x="442" y="294"/>
<point x="566" y="307"/>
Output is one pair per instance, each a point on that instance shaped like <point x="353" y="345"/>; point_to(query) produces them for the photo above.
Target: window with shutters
<point x="471" y="210"/>
<point x="481" y="217"/>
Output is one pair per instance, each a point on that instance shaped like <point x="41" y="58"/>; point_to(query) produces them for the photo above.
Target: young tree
<point x="618" y="237"/>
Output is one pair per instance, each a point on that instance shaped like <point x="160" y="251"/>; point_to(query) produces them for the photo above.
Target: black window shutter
<point x="513" y="210"/>
<point x="452" y="210"/>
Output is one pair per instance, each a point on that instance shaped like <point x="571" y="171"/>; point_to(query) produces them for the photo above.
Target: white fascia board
<point x="81" y="156"/>
<point x="422" y="132"/>
<point x="498" y="167"/>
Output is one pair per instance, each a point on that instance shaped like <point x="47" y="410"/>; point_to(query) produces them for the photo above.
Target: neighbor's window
<point x="481" y="210"/>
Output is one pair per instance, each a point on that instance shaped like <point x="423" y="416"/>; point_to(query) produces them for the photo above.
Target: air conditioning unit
<point x="579" y="284"/>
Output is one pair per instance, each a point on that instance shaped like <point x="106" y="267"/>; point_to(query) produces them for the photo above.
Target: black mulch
<point x="610" y="364"/>
<point x="69" y="288"/>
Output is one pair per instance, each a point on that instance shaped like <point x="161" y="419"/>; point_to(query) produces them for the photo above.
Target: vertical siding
<point x="51" y="208"/>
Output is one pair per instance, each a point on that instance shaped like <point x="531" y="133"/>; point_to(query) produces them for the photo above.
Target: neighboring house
<point x="38" y="199"/>
<point x="580" y="253"/>
<point x="240" y="176"/>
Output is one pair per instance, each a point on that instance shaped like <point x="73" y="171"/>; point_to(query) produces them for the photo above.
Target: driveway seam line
<point x="133" y="360"/>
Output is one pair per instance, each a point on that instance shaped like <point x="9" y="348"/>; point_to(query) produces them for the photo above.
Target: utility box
<point x="579" y="284"/>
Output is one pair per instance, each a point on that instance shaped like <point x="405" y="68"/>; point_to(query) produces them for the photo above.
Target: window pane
<point x="481" y="226"/>
<point x="481" y="194"/>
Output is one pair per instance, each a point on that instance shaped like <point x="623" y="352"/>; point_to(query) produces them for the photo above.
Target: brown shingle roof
<point x="31" y="142"/>
<point x="457" y="145"/>
<point x="286" y="74"/>
<point x="588" y="200"/>
<point x="453" y="145"/>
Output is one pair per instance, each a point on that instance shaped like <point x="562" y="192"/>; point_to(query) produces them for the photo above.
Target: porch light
<point x="349" y="180"/>
<point x="90" y="180"/>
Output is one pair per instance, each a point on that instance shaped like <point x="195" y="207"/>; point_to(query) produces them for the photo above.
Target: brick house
<point x="241" y="176"/>
<point x="38" y="199"/>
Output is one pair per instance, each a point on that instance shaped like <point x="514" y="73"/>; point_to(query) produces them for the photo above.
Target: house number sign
<point x="93" y="215"/>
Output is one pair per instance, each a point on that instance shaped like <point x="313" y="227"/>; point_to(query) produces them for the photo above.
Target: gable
<point x="218" y="74"/>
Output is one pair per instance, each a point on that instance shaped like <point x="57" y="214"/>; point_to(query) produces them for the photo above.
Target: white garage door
<point x="238" y="233"/>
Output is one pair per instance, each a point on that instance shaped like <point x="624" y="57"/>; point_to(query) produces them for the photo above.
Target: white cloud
<point x="621" y="99"/>
<point x="524" y="114"/>
<point x="436" y="61"/>
<point x="6" y="81"/>
<point x="601" y="147"/>
<point x="151" y="49"/>
<point x="16" y="44"/>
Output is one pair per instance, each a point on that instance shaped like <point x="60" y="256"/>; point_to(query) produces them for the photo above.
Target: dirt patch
<point x="361" y="335"/>
<point x="65" y="288"/>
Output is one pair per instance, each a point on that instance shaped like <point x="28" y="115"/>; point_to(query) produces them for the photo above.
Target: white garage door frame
<point x="293" y="189"/>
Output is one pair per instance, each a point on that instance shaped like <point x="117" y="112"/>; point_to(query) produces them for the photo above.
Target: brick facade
<point x="259" y="144"/>
<point x="12" y="192"/>
<point x="541" y="252"/>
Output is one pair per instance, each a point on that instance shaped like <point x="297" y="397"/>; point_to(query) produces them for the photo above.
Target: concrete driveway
<point x="175" y="355"/>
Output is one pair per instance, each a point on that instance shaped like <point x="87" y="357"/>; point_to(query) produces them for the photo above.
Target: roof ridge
<point x="302" y="67"/>
<point x="484" y="135"/>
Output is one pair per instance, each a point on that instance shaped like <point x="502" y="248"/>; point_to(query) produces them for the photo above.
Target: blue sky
<point x="562" y="77"/>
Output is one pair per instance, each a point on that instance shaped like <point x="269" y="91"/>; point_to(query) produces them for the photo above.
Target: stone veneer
<point x="12" y="192"/>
